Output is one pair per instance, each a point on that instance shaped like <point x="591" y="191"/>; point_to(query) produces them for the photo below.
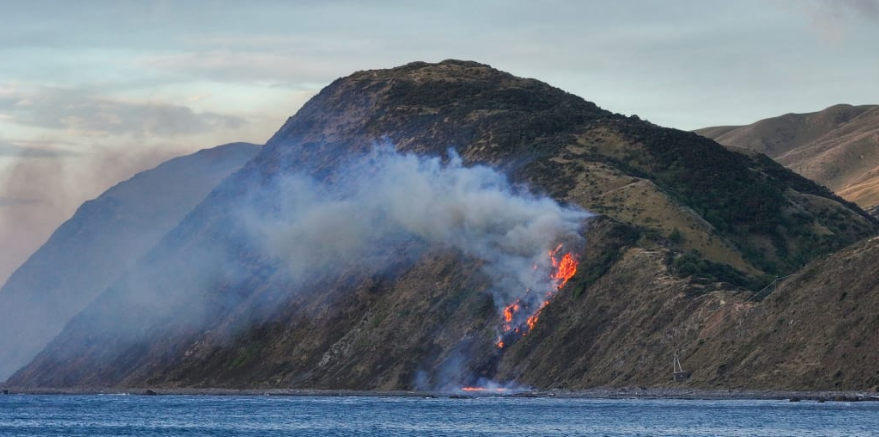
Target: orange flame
<point x="509" y="311"/>
<point x="563" y="269"/>
<point x="483" y="389"/>
<point x="532" y="320"/>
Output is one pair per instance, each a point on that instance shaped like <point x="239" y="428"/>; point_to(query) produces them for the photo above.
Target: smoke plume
<point x="386" y="197"/>
<point x="277" y="235"/>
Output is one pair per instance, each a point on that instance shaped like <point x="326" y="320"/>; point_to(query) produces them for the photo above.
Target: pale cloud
<point x="84" y="113"/>
<point x="31" y="149"/>
<point x="275" y="43"/>
<point x="242" y="66"/>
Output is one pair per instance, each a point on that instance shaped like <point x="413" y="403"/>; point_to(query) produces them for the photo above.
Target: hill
<point x="103" y="239"/>
<point x="815" y="331"/>
<point x="330" y="262"/>
<point x="837" y="147"/>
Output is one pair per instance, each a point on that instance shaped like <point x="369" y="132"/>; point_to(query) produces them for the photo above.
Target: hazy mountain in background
<point x="103" y="239"/>
<point x="837" y="147"/>
<point x="330" y="262"/>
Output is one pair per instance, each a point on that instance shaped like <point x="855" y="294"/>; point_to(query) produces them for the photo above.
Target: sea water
<point x="109" y="415"/>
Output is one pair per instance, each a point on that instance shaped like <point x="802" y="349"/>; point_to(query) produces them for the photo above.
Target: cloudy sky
<point x="93" y="91"/>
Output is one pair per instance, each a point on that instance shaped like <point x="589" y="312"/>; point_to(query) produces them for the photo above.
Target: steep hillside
<point x="816" y="331"/>
<point x="837" y="147"/>
<point x="685" y="225"/>
<point x="104" y="238"/>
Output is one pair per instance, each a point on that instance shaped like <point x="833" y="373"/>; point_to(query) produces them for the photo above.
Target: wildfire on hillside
<point x="520" y="317"/>
<point x="563" y="269"/>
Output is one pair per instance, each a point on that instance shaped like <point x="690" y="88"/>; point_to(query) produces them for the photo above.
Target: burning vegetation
<point x="521" y="317"/>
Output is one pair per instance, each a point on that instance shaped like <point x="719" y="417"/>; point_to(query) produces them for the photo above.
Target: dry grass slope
<point x="837" y="147"/>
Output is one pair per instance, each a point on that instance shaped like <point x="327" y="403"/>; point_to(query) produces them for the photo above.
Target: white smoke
<point x="386" y="196"/>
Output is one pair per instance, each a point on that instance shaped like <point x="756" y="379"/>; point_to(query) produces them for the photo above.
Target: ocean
<point x="122" y="415"/>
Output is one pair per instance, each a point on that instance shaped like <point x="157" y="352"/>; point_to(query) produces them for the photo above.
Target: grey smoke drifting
<point x="386" y="197"/>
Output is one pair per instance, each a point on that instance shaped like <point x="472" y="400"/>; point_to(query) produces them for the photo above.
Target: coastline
<point x="594" y="393"/>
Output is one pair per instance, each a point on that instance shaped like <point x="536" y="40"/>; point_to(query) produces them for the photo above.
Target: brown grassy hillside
<point x="837" y="147"/>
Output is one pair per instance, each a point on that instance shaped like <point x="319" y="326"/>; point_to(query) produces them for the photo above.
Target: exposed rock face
<point x="837" y="147"/>
<point x="103" y="239"/>
<point x="686" y="225"/>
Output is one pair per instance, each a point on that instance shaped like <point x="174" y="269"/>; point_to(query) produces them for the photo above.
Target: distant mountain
<point x="245" y="292"/>
<point x="837" y="147"/>
<point x="103" y="239"/>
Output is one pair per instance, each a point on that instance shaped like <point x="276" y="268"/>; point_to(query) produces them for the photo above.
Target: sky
<point x="93" y="91"/>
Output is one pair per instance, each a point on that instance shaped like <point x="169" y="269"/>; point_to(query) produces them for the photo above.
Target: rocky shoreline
<point x="595" y="393"/>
